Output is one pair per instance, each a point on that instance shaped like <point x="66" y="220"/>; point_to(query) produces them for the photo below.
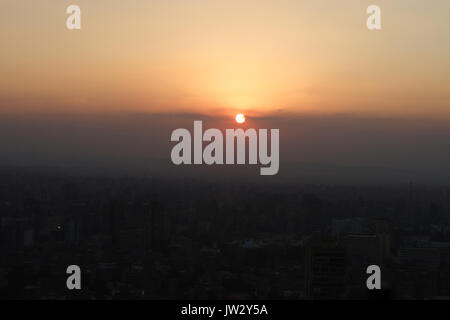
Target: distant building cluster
<point x="140" y="238"/>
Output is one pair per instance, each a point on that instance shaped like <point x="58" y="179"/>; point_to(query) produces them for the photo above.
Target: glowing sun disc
<point x="240" y="118"/>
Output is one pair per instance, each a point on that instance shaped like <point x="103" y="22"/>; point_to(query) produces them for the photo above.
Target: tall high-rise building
<point x="325" y="271"/>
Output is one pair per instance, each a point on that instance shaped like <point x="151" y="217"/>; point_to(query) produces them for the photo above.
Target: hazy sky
<point x="216" y="57"/>
<point x="330" y="149"/>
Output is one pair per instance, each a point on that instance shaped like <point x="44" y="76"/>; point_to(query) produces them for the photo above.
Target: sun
<point x="240" y="118"/>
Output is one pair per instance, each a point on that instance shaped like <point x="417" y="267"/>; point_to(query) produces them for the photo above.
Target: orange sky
<point x="220" y="57"/>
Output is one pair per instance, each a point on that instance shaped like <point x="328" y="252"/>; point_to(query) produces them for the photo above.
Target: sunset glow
<point x="219" y="57"/>
<point x="240" y="118"/>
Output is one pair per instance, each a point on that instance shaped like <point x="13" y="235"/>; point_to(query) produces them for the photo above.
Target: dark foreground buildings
<point x="137" y="238"/>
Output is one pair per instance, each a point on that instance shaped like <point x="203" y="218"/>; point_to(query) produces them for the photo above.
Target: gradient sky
<point x="218" y="57"/>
